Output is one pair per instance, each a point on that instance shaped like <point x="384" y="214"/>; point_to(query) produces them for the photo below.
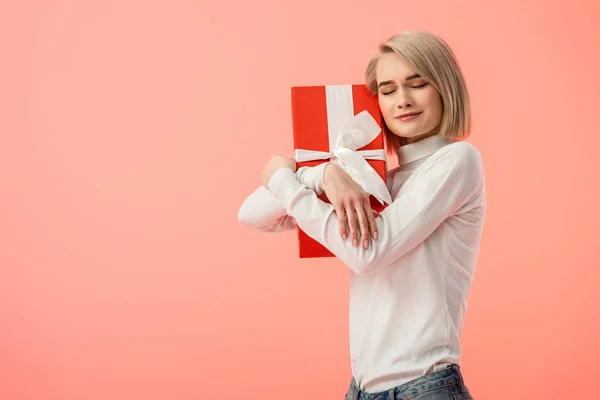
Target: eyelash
<point x="412" y="87"/>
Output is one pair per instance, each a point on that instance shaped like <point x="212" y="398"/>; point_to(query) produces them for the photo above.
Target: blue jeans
<point x="445" y="384"/>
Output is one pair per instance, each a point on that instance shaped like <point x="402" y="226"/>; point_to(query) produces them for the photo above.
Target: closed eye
<point x="412" y="87"/>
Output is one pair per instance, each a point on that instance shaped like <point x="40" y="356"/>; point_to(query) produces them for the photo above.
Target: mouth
<point x="409" y="116"/>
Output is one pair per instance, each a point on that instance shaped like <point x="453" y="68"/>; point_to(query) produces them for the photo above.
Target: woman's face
<point x="401" y="91"/>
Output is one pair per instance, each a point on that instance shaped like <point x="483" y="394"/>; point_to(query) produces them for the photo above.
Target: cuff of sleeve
<point x="312" y="177"/>
<point x="321" y="180"/>
<point x="283" y="184"/>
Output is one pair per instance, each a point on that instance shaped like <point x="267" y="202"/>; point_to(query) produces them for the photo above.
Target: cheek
<point x="434" y="104"/>
<point x="386" y="107"/>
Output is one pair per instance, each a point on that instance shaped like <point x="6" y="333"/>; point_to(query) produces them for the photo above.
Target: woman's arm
<point x="263" y="211"/>
<point x="442" y="187"/>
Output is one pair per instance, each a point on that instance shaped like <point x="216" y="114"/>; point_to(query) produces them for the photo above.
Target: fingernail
<point x="366" y="244"/>
<point x="344" y="236"/>
<point x="355" y="242"/>
<point x="375" y="235"/>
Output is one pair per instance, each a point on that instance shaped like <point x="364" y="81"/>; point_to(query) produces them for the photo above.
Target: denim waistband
<point x="442" y="378"/>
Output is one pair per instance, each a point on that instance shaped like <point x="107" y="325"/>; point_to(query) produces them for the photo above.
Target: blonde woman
<point x="412" y="265"/>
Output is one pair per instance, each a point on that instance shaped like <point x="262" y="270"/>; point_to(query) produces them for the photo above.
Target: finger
<point x="352" y="224"/>
<point x="364" y="224"/>
<point x="341" y="214"/>
<point x="371" y="215"/>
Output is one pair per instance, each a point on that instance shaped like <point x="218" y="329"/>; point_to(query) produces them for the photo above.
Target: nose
<point x="403" y="100"/>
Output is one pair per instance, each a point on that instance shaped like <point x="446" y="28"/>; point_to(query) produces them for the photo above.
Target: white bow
<point x="359" y="131"/>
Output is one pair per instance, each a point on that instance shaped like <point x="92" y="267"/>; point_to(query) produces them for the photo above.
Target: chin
<point x="406" y="135"/>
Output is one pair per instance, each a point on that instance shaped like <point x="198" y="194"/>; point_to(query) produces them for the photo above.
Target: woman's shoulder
<point x="458" y="160"/>
<point x="461" y="153"/>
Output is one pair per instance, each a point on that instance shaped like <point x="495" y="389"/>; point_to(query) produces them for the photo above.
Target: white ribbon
<point x="347" y="133"/>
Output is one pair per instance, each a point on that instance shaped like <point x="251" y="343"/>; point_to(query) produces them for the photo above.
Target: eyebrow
<point x="408" y="78"/>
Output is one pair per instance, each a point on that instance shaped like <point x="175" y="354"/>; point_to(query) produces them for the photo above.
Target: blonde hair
<point x="434" y="60"/>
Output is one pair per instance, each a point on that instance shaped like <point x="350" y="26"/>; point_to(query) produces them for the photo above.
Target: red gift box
<point x="318" y="113"/>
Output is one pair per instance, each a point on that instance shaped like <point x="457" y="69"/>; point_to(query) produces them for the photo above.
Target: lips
<point x="408" y="116"/>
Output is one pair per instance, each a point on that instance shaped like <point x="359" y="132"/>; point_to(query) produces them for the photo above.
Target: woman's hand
<point x="348" y="198"/>
<point x="275" y="164"/>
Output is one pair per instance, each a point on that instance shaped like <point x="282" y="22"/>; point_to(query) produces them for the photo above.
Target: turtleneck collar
<point x="423" y="148"/>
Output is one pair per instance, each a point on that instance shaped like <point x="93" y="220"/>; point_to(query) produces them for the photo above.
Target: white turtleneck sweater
<point x="409" y="289"/>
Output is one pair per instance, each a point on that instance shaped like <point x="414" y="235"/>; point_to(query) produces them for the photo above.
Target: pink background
<point x="131" y="131"/>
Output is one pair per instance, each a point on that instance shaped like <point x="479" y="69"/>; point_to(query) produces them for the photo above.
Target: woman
<point x="411" y="278"/>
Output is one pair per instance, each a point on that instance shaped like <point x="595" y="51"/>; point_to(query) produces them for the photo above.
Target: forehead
<point x="392" y="67"/>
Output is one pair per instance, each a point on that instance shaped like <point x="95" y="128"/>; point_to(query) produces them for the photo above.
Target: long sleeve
<point x="447" y="183"/>
<point x="263" y="211"/>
